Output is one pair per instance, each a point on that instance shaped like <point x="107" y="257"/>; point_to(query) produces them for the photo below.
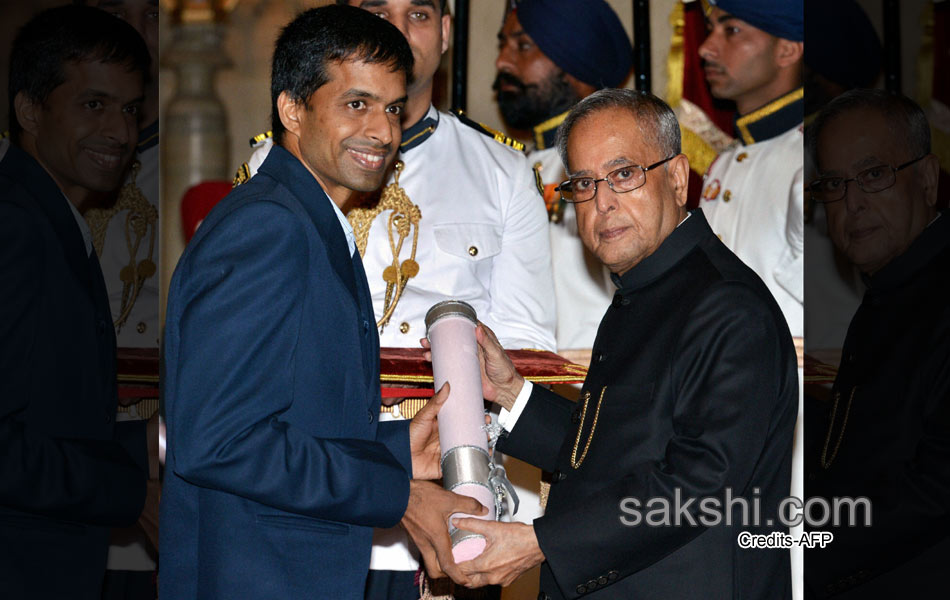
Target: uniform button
<point x="404" y="327"/>
<point x="602" y="580"/>
<point x="601" y="357"/>
<point x="611" y="575"/>
<point x="581" y="589"/>
<point x="370" y="415"/>
<point x="141" y="327"/>
<point x="558" y="476"/>
<point x="726" y="197"/>
<point x="365" y="326"/>
<point x="618" y="299"/>
<point x="576" y="417"/>
<point x="592" y="584"/>
<point x="472" y="251"/>
<point x="742" y="156"/>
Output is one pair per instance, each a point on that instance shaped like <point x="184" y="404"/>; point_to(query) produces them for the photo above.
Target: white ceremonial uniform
<point x="582" y="286"/>
<point x="140" y="329"/>
<point x="483" y="238"/>
<point x="754" y="200"/>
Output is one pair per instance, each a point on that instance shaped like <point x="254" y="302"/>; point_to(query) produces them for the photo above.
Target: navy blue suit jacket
<point x="67" y="471"/>
<point x="277" y="468"/>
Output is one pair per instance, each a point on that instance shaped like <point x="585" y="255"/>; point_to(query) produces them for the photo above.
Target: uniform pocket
<point x="470" y="241"/>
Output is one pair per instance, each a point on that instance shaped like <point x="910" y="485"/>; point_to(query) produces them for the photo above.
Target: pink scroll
<point x="450" y="327"/>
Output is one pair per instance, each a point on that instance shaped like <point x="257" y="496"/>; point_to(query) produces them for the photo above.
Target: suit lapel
<point x="285" y="168"/>
<point x="20" y="167"/>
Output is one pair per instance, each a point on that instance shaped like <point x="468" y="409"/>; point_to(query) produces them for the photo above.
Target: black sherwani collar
<point x="671" y="251"/>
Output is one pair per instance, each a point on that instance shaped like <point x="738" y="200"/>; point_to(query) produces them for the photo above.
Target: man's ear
<point x="788" y="53"/>
<point x="679" y="177"/>
<point x="27" y="113"/>
<point x="289" y="111"/>
<point x="446" y="31"/>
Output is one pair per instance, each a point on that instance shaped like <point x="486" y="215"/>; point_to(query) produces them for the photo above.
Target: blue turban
<point x="585" y="39"/>
<point x="781" y="18"/>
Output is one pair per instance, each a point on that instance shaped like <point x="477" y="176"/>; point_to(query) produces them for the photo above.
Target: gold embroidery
<point x="742" y="123"/>
<point x="403" y="220"/>
<point x="545" y="126"/>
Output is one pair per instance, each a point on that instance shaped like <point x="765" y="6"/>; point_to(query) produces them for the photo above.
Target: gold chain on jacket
<point x="825" y="464"/>
<point x="576" y="462"/>
<point x="404" y="219"/>
<point x="141" y="220"/>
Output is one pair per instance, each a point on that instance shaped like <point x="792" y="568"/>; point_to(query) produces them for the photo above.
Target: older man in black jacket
<point x="692" y="392"/>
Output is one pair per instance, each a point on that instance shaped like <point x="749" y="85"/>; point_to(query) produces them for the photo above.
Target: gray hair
<point x="906" y="120"/>
<point x="655" y="119"/>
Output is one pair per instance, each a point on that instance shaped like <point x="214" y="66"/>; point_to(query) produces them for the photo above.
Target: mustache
<point x="508" y="79"/>
<point x="711" y="64"/>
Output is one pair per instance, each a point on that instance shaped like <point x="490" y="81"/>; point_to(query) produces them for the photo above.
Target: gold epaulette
<point x="496" y="135"/>
<point x="242" y="175"/>
<point x="260" y="138"/>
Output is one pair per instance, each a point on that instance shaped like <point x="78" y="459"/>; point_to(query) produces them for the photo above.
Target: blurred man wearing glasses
<point x="885" y="432"/>
<point x="692" y="391"/>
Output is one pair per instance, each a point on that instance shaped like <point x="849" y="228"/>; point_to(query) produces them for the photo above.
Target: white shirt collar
<point x="347" y="228"/>
<point x="83" y="226"/>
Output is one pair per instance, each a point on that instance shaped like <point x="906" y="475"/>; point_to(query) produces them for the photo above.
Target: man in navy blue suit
<point x="277" y="469"/>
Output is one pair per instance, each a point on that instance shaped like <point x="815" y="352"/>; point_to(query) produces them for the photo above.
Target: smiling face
<point x="425" y="28"/>
<point x="872" y="229"/>
<point x="348" y="131"/>
<point x="623" y="229"/>
<point x="741" y="62"/>
<point x="84" y="134"/>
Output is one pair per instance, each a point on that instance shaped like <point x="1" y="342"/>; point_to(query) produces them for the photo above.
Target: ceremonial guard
<point x="461" y="218"/>
<point x="599" y="55"/>
<point x="753" y="195"/>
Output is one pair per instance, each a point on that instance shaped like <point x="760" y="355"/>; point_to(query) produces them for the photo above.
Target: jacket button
<point x="108" y="418"/>
<point x="404" y="328"/>
<point x="557" y="476"/>
<point x="592" y="584"/>
<point x="576" y="417"/>
<point x="370" y="415"/>
<point x="600" y="356"/>
<point x="543" y="596"/>
<point x="602" y="580"/>
<point x="581" y="589"/>
<point x="611" y="575"/>
<point x="617" y="300"/>
<point x="473" y="251"/>
<point x="365" y="326"/>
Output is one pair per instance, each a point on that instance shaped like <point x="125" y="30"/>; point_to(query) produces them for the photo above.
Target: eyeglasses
<point x="622" y="180"/>
<point x="875" y="179"/>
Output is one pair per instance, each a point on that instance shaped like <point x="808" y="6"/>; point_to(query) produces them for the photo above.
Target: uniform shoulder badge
<point x="260" y="138"/>
<point x="498" y="136"/>
<point x="242" y="175"/>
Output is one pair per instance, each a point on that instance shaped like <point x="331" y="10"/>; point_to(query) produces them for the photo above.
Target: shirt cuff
<point x="507" y="419"/>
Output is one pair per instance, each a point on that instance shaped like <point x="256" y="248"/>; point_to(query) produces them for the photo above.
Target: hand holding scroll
<point x="424" y="438"/>
<point x="500" y="381"/>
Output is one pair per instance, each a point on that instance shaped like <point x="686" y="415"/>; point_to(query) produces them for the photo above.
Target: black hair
<point x="66" y="34"/>
<point x="441" y="4"/>
<point x="330" y="33"/>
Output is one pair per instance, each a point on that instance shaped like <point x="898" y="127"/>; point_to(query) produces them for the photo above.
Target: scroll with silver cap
<point x="467" y="458"/>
